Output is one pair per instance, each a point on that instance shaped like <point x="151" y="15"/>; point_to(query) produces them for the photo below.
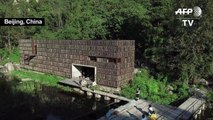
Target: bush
<point x="6" y="85"/>
<point x="9" y="56"/>
<point x="210" y="96"/>
<point x="154" y="89"/>
<point x="181" y="89"/>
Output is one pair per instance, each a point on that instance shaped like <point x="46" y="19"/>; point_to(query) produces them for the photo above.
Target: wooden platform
<point x="74" y="82"/>
<point x="134" y="110"/>
<point x="190" y="107"/>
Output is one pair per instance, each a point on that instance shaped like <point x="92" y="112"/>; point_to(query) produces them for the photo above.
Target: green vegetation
<point x="47" y="79"/>
<point x="210" y="96"/>
<point x="9" y="56"/>
<point x="31" y="100"/>
<point x="180" y="54"/>
<point x="31" y="80"/>
<point x="27" y="87"/>
<point x="156" y="90"/>
<point x="162" y="43"/>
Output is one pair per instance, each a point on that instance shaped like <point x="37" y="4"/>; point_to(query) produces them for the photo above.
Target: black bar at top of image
<point x="22" y="22"/>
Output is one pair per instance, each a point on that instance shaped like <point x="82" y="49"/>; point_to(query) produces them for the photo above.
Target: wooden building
<point x="105" y="62"/>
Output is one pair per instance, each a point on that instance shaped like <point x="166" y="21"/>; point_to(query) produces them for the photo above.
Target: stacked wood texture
<point x="114" y="59"/>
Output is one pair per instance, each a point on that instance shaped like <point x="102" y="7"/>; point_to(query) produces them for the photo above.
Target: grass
<point x="27" y="87"/>
<point x="37" y="79"/>
<point x="25" y="101"/>
<point x="47" y="79"/>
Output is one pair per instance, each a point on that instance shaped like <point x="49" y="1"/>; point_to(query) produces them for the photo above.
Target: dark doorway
<point x="87" y="72"/>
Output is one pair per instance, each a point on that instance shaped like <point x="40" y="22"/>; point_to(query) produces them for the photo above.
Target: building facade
<point x="105" y="62"/>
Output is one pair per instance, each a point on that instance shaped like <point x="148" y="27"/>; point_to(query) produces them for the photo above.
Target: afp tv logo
<point x="188" y="15"/>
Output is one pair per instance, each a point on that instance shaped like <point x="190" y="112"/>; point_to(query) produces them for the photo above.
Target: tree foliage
<point x="162" y="43"/>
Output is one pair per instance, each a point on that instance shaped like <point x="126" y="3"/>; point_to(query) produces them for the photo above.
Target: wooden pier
<point x="191" y="108"/>
<point x="134" y="110"/>
<point x="75" y="83"/>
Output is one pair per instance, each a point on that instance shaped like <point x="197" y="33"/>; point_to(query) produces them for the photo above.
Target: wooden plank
<point x="131" y="109"/>
<point x="125" y="107"/>
<point x="75" y="82"/>
<point x="138" y="108"/>
<point x="163" y="111"/>
<point x="184" y="106"/>
<point x="143" y="106"/>
<point x="191" y="110"/>
<point x="185" y="111"/>
<point x="188" y="108"/>
<point x="187" y="103"/>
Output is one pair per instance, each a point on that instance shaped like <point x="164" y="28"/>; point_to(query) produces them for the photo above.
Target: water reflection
<point x="107" y="101"/>
<point x="48" y="103"/>
<point x="76" y="106"/>
<point x="94" y="107"/>
<point x="89" y="96"/>
<point x="72" y="99"/>
<point x="53" y="117"/>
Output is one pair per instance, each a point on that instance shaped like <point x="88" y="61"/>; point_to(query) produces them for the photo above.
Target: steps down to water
<point x="134" y="110"/>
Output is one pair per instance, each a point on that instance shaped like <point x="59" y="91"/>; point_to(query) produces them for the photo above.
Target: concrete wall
<point x="75" y="71"/>
<point x="114" y="59"/>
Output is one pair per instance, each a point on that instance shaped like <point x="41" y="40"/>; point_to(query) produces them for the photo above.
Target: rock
<point x="3" y="69"/>
<point x="203" y="81"/>
<point x="10" y="67"/>
<point x="106" y="98"/>
<point x="26" y="79"/>
<point x="78" y="90"/>
<point x="94" y="83"/>
<point x="116" y="100"/>
<point x="17" y="66"/>
<point x="136" y="70"/>
<point x="89" y="94"/>
<point x="170" y="88"/>
<point x="2" y="76"/>
<point x="83" y="82"/>
<point x="170" y="92"/>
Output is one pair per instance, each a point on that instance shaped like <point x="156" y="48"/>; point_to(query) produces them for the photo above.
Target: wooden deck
<point x="74" y="82"/>
<point x="134" y="110"/>
<point x="190" y="107"/>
